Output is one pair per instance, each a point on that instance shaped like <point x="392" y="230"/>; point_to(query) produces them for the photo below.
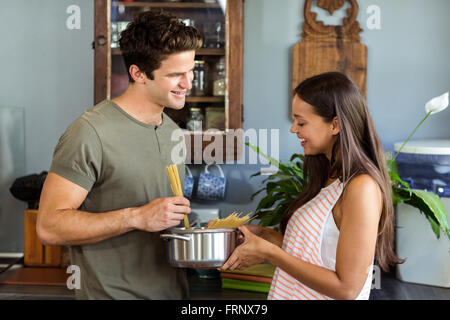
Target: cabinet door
<point x="218" y="82"/>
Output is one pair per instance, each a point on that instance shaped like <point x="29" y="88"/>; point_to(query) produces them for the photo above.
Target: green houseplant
<point x="284" y="186"/>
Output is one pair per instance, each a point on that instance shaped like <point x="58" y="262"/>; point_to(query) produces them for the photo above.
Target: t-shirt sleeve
<point x="78" y="154"/>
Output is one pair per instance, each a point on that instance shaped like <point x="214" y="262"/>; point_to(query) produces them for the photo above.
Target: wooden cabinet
<point x="37" y="254"/>
<point x="111" y="80"/>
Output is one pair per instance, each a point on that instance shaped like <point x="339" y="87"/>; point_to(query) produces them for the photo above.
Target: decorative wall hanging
<point x="330" y="48"/>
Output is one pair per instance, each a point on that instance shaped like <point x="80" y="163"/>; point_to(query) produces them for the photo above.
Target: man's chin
<point x="175" y="106"/>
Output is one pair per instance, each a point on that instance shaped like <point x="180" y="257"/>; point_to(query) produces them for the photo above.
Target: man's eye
<point x="300" y="124"/>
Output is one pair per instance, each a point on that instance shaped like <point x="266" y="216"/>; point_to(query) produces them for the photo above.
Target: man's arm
<point x="60" y="222"/>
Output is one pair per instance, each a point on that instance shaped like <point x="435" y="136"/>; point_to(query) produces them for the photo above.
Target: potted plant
<point x="284" y="186"/>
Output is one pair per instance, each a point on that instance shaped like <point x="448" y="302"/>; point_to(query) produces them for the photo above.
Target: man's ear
<point x="137" y="75"/>
<point x="335" y="126"/>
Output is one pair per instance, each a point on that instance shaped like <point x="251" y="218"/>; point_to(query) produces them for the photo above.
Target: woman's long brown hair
<point x="357" y="150"/>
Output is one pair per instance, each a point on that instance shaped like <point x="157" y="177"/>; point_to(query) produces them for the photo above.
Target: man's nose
<point x="186" y="82"/>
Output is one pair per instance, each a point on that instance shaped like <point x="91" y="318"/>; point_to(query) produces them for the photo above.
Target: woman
<point x="344" y="217"/>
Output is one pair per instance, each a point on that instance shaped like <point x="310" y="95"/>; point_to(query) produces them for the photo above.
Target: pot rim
<point x="199" y="230"/>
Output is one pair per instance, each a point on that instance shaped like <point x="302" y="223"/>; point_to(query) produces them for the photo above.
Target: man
<point x="107" y="194"/>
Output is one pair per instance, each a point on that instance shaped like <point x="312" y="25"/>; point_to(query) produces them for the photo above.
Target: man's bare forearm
<point x="73" y="227"/>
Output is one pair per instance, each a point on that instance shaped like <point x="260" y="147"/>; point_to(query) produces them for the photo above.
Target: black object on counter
<point x="28" y="188"/>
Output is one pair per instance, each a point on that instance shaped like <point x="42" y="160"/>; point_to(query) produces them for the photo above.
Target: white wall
<point x="46" y="70"/>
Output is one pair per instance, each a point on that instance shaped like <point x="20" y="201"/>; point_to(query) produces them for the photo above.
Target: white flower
<point x="437" y="104"/>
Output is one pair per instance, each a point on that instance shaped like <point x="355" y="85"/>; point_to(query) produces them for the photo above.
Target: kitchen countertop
<point x="200" y="289"/>
<point x="210" y="289"/>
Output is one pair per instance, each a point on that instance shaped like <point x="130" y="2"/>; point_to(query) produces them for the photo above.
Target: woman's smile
<point x="302" y="141"/>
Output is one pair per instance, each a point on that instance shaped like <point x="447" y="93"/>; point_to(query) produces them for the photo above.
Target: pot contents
<point x="234" y="220"/>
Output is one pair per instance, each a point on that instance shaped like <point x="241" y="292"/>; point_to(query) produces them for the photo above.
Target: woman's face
<point x="316" y="136"/>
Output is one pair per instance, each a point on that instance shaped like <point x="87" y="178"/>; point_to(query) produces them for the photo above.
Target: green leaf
<point x="270" y="188"/>
<point x="434" y="227"/>
<point x="267" y="202"/>
<point x="435" y="207"/>
<point x="297" y="156"/>
<point x="256" y="193"/>
<point x="273" y="217"/>
<point x="256" y="174"/>
<point x="400" y="195"/>
<point x="392" y="166"/>
<point x="281" y="187"/>
<point x="396" y="178"/>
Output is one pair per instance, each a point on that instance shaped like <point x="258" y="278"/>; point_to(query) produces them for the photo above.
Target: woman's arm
<point x="361" y="207"/>
<point x="268" y="234"/>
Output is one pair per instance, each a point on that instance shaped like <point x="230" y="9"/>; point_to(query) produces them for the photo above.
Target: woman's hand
<point x="256" y="230"/>
<point x="252" y="251"/>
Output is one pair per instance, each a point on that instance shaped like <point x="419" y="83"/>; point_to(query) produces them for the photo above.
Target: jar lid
<point x="199" y="61"/>
<point x="195" y="109"/>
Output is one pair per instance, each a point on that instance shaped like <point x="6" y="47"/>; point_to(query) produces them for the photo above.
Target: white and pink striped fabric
<point x="312" y="235"/>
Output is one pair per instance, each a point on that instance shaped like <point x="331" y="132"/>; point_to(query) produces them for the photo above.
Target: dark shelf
<point x="205" y="99"/>
<point x="182" y="5"/>
<point x="199" y="52"/>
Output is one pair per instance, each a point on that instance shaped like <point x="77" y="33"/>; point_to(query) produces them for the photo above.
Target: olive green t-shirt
<point x="121" y="162"/>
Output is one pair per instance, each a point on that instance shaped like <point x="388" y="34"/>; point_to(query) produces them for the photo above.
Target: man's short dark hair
<point x="152" y="36"/>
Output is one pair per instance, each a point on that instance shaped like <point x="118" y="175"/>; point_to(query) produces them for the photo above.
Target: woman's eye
<point x="300" y="124"/>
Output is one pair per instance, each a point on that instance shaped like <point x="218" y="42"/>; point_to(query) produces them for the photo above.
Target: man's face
<point x="172" y="80"/>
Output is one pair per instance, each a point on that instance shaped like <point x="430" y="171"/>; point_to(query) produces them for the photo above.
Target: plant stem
<point x="412" y="133"/>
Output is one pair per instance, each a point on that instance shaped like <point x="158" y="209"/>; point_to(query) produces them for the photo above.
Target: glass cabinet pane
<point x="208" y="95"/>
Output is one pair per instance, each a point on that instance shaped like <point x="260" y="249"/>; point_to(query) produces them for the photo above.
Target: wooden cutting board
<point x="330" y="48"/>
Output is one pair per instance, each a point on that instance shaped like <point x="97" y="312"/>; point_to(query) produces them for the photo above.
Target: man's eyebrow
<point x="178" y="73"/>
<point x="175" y="73"/>
<point x="297" y="116"/>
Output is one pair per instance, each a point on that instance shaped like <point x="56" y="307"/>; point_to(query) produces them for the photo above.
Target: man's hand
<point x="160" y="214"/>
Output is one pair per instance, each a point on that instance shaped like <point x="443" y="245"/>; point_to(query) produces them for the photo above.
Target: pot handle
<point x="174" y="236"/>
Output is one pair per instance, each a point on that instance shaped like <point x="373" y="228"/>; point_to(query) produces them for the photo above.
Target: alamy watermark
<point x="374" y="20"/>
<point x="376" y="277"/>
<point x="73" y="21"/>
<point x="217" y="142"/>
<point x="73" y="281"/>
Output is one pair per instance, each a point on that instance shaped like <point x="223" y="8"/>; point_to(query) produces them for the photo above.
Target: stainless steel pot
<point x="200" y="247"/>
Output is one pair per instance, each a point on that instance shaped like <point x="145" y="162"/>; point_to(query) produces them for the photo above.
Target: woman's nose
<point x="293" y="128"/>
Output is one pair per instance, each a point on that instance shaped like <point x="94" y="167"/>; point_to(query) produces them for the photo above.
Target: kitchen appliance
<point x="29" y="188"/>
<point x="200" y="247"/>
<point x="425" y="165"/>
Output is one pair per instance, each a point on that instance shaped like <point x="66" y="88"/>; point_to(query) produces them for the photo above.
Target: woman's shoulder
<point x="362" y="186"/>
<point x="362" y="180"/>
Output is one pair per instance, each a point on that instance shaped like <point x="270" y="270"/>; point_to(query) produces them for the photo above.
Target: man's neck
<point x="137" y="105"/>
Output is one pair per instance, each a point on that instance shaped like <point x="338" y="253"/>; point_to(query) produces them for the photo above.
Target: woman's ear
<point x="335" y="126"/>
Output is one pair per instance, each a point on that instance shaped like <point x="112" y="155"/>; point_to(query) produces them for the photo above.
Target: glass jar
<point x="195" y="121"/>
<point x="214" y="34"/>
<point x="114" y="35"/>
<point x="200" y="82"/>
<point x="219" y="86"/>
<point x="215" y="118"/>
